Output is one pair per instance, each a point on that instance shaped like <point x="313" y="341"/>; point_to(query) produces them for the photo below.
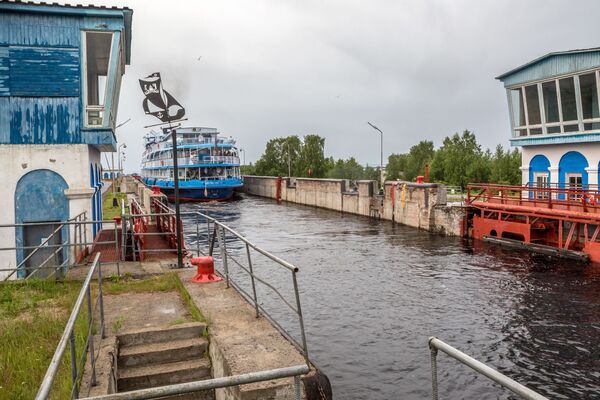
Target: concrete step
<point x="162" y="352"/>
<point x="204" y="395"/>
<point x="147" y="376"/>
<point x="188" y="330"/>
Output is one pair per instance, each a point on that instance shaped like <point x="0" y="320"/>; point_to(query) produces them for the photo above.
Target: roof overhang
<point x="76" y="10"/>
<point x="577" y="52"/>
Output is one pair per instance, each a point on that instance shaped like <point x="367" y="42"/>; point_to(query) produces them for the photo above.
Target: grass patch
<point x="33" y="315"/>
<point x="187" y="299"/>
<point x="108" y="211"/>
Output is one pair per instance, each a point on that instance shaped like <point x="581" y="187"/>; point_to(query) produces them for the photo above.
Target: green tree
<point x="419" y="155"/>
<point x="312" y="160"/>
<point x="505" y="166"/>
<point x="248" y="169"/>
<point x="396" y="166"/>
<point x="460" y="160"/>
<point x="347" y="169"/>
<point x="278" y="153"/>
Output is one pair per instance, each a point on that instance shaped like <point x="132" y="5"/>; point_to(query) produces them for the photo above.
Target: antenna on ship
<point x="159" y="103"/>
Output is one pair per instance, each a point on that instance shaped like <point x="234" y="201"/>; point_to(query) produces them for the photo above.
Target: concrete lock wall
<point x="421" y="206"/>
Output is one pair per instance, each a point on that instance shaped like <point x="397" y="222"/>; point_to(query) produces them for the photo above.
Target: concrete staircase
<point x="163" y="356"/>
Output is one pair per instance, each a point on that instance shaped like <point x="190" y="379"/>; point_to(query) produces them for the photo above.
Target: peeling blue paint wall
<point x="41" y="88"/>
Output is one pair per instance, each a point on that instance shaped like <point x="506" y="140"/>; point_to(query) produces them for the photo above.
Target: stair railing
<point x="436" y="344"/>
<point x="68" y="337"/>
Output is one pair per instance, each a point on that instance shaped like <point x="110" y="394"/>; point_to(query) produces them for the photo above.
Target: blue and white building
<point x="60" y="77"/>
<point x="555" y="117"/>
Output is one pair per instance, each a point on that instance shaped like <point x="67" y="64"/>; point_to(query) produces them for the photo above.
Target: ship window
<point x="589" y="96"/>
<point x="97" y="61"/>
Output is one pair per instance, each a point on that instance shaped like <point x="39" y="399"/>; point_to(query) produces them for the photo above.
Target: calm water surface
<point x="373" y="292"/>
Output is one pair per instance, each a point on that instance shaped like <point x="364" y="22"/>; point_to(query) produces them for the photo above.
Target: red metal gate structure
<point x="563" y="220"/>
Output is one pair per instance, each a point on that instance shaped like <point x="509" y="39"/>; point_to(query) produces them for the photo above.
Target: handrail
<point x="44" y="242"/>
<point x="215" y="383"/>
<point x="68" y="334"/>
<point x="72" y="241"/>
<point x="436" y="344"/>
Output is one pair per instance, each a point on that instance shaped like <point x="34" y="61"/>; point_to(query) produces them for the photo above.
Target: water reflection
<point x="373" y="292"/>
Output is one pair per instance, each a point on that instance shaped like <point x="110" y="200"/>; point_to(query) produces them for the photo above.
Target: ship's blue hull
<point x="194" y="191"/>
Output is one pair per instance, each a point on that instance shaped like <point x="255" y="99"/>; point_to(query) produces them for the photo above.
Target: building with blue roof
<point x="60" y="77"/>
<point x="555" y="118"/>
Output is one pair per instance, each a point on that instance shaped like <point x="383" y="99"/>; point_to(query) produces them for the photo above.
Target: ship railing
<point x="217" y="159"/>
<point x="95" y="306"/>
<point x="193" y="160"/>
<point x="436" y="345"/>
<point x="66" y="246"/>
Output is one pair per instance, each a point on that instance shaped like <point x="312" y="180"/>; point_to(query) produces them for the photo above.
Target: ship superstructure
<point x="208" y="164"/>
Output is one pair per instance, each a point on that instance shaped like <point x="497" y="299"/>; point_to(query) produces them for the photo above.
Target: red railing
<point x="140" y="226"/>
<point x="165" y="222"/>
<point x="580" y="199"/>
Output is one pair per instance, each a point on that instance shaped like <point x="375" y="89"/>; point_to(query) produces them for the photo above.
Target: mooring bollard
<point x="206" y="270"/>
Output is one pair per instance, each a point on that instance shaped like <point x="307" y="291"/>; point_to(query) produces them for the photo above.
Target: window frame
<point x="580" y="122"/>
<point x="87" y="107"/>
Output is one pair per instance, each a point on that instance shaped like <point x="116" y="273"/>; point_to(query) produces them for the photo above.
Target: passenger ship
<point x="208" y="165"/>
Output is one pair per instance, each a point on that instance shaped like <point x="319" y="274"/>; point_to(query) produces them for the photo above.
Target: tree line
<point x="458" y="161"/>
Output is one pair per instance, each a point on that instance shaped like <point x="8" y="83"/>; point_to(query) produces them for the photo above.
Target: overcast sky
<point x="418" y="69"/>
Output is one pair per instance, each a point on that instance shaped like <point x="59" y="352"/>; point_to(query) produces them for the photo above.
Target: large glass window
<point x="589" y="96"/>
<point x="567" y="98"/>
<point x="518" y="108"/>
<point x="567" y="105"/>
<point x="550" y="102"/>
<point x="533" y="105"/>
<point x="97" y="61"/>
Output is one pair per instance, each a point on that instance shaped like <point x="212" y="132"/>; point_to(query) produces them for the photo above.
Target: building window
<point x="97" y="47"/>
<point x="541" y="182"/>
<point x="567" y="104"/>
<point x="551" y="109"/>
<point x="575" y="184"/>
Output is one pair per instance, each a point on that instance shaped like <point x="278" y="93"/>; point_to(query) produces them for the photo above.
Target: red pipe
<point x="427" y="173"/>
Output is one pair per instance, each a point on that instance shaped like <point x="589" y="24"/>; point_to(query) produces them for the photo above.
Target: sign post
<point x="162" y="105"/>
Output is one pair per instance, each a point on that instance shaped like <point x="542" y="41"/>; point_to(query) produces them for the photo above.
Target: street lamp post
<point x="121" y="154"/>
<point x="381" y="148"/>
<point x="243" y="155"/>
<point x="112" y="156"/>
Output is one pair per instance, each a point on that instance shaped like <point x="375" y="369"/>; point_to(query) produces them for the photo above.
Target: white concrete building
<point x="555" y="118"/>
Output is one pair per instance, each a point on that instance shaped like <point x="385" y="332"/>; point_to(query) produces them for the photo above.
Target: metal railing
<point x="215" y="383"/>
<point x="73" y="248"/>
<point x="68" y="337"/>
<point x="219" y="235"/>
<point x="436" y="344"/>
<point x="584" y="198"/>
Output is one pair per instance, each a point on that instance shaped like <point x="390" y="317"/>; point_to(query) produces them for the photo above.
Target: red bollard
<point x="206" y="270"/>
<point x="155" y="189"/>
<point x="420" y="179"/>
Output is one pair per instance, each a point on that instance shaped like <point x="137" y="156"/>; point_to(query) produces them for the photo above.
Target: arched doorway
<point x="571" y="171"/>
<point x="539" y="172"/>
<point x="40" y="197"/>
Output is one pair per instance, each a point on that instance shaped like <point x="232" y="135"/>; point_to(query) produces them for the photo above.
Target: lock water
<point x="372" y="293"/>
